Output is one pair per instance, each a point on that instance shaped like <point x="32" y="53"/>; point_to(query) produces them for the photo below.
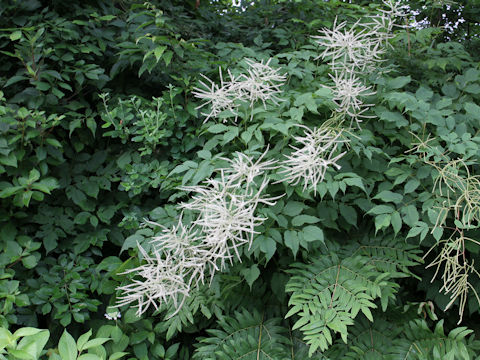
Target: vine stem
<point x="260" y="338"/>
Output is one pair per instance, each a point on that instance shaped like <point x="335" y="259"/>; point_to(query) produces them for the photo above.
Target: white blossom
<point x="347" y="93"/>
<point x="161" y="281"/>
<point x="359" y="48"/>
<point x="310" y="161"/>
<point x="262" y="82"/>
<point x="183" y="255"/>
<point x="226" y="207"/>
<point x="348" y="49"/>
<point x="220" y="97"/>
<point x="242" y="168"/>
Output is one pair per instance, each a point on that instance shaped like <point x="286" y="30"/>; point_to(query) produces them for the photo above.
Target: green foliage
<point x="99" y="127"/>
<point x="329" y="293"/>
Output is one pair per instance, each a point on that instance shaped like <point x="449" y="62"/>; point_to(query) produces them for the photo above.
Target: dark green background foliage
<point x="99" y="127"/>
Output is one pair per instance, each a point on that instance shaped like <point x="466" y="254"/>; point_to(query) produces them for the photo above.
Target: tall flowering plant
<point x="224" y="208"/>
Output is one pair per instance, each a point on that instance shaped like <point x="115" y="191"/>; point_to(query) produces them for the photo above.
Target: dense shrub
<point x="260" y="189"/>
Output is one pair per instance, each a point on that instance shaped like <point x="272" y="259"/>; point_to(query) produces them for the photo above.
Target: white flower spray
<point x="261" y="83"/>
<point x="311" y="161"/>
<point x="351" y="52"/>
<point x="225" y="207"/>
<point x="225" y="222"/>
<point x="354" y="51"/>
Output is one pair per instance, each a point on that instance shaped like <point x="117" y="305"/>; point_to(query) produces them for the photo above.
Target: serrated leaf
<point x="398" y="82"/>
<point x="217" y="128"/>
<point x="381" y="209"/>
<point x="473" y="110"/>
<point x="299" y="220"/>
<point x="67" y="347"/>
<point x="292" y="241"/>
<point x="251" y="274"/>
<point x="312" y="233"/>
<point x="389" y="196"/>
<point x="293" y="208"/>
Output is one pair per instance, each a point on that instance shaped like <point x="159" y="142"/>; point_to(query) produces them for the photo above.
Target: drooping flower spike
<point x="310" y="161"/>
<point x="261" y="83"/>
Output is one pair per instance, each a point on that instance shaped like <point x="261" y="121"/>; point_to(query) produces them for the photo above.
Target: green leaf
<point x="251" y="274"/>
<point x="389" y="196"/>
<point x="410" y="215"/>
<point x="53" y="142"/>
<point x="158" y="52"/>
<point x="67" y="347"/>
<point x="30" y="261"/>
<point x="26" y="197"/>
<point x="82" y="339"/>
<point x="92" y="125"/>
<point x="76" y="195"/>
<point x="396" y="221"/>
<point x="16" y="35"/>
<point x="33" y="175"/>
<point x="9" y="160"/>
<point x="268" y="246"/>
<point x="95" y="342"/>
<point x="89" y="357"/>
<point x="411" y="186"/>
<point x="9" y="191"/>
<point x="167" y="57"/>
<point x="420" y="228"/>
<point x="473" y="110"/>
<point x="381" y="209"/>
<point x="21" y="354"/>
<point x="398" y="82"/>
<point x="26" y="331"/>
<point x="348" y="213"/>
<point x="15" y="79"/>
<point x="117" y="355"/>
<point x="292" y="241"/>
<point x="355" y="181"/>
<point x="59" y="94"/>
<point x="217" y="128"/>
<point x="312" y="233"/>
<point x="304" y="219"/>
<point x="382" y="221"/>
<point x="293" y="208"/>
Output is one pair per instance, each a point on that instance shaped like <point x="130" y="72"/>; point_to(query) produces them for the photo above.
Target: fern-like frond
<point x="327" y="295"/>
<point x="420" y="343"/>
<point x="391" y="257"/>
<point x="389" y="254"/>
<point x="202" y="299"/>
<point x="245" y="336"/>
<point x="369" y="340"/>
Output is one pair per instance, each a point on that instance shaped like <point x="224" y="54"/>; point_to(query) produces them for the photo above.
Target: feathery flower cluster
<point x="346" y="95"/>
<point x="354" y="51"/>
<point x="225" y="222"/>
<point x="261" y="82"/>
<point x="360" y="47"/>
<point x="310" y="162"/>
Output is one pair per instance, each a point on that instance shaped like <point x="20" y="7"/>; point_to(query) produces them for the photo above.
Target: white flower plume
<point x="359" y="48"/>
<point x="161" y="281"/>
<point x="310" y="161"/>
<point x="183" y="255"/>
<point x="261" y="83"/>
<point x="346" y="95"/>
<point x="349" y="50"/>
<point x="220" y="97"/>
<point x="226" y="206"/>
